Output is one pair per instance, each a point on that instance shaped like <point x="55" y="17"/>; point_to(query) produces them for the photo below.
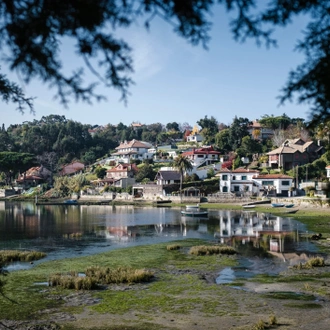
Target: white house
<point x="133" y="150"/>
<point x="202" y="156"/>
<point x="239" y="181"/>
<point x="328" y="171"/>
<point x="279" y="183"/>
<point x="245" y="181"/>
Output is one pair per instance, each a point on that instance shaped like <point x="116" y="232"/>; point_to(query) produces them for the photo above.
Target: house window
<point x="243" y="177"/>
<point x="225" y="177"/>
<point x="234" y="177"/>
<point x="285" y="183"/>
<point x="267" y="183"/>
<point x="236" y="188"/>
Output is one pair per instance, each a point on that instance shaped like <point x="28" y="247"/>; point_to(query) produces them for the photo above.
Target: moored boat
<point x="194" y="213"/>
<point x="249" y="206"/>
<point x="192" y="207"/>
<point x="277" y="205"/>
<point x="71" y="202"/>
<point x="289" y="206"/>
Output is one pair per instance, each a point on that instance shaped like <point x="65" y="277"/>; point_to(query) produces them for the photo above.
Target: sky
<point x="178" y="82"/>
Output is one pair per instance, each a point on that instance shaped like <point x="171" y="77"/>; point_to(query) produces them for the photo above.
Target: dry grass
<point x="107" y="275"/>
<point x="173" y="247"/>
<point x="311" y="263"/>
<point x="70" y="281"/>
<point x="209" y="250"/>
<point x="7" y="256"/>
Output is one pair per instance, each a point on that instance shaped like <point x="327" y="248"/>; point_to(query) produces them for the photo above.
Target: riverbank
<point x="183" y="295"/>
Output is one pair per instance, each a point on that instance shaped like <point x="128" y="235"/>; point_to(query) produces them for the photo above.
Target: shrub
<point x="173" y="247"/>
<point x="15" y="255"/>
<point x="209" y="250"/>
<point x="120" y="275"/>
<point x="313" y="262"/>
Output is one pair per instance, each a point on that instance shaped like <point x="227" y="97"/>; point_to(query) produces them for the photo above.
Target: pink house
<point x="72" y="168"/>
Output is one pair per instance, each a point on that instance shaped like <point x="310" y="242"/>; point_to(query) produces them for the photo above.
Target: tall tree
<point x="209" y="129"/>
<point x="238" y="129"/>
<point x="182" y="164"/>
<point x="13" y="162"/>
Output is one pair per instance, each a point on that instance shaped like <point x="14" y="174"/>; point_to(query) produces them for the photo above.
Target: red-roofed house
<point x="239" y="181"/>
<point x="34" y="176"/>
<point x="121" y="175"/>
<point x="202" y="156"/>
<point x="72" y="168"/>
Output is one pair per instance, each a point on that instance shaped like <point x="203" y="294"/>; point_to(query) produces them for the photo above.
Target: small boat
<point x="249" y="206"/>
<point x="71" y="202"/>
<point x="277" y="205"/>
<point x="192" y="207"/>
<point x="289" y="206"/>
<point x="292" y="211"/>
<point x="162" y="201"/>
<point x="195" y="213"/>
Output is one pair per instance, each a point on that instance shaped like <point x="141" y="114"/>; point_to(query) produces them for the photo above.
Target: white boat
<point x="250" y="206"/>
<point x="192" y="207"/>
<point x="195" y="213"/>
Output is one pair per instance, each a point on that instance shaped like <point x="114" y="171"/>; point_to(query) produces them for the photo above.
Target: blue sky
<point x="177" y="82"/>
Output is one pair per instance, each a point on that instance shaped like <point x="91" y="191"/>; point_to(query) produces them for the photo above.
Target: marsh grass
<point x="202" y="250"/>
<point x="73" y="282"/>
<point x="173" y="247"/>
<point x="96" y="276"/>
<point x="311" y="263"/>
<point x="7" y="256"/>
<point x="106" y="275"/>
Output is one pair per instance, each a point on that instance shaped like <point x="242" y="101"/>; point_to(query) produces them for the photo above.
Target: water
<point x="64" y="231"/>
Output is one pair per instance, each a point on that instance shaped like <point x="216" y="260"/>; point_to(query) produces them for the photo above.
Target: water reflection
<point x="70" y="230"/>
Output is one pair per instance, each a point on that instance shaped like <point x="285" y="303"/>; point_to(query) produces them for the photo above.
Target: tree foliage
<point x="13" y="162"/>
<point x="182" y="164"/>
<point x="32" y="34"/>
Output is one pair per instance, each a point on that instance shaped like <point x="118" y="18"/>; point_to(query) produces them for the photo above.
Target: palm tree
<point x="182" y="164"/>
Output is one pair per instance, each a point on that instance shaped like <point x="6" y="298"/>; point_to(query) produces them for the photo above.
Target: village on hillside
<point x="269" y="157"/>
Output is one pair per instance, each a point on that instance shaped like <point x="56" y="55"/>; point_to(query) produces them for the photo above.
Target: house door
<point x="225" y="189"/>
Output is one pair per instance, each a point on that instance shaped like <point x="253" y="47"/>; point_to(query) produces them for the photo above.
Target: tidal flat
<point x="182" y="295"/>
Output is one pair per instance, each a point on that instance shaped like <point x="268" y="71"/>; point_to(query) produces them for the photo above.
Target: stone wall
<point x="7" y="192"/>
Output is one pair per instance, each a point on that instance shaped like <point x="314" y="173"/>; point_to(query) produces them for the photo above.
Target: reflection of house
<point x="294" y="153"/>
<point x="132" y="150"/>
<point x="34" y="176"/>
<point x="167" y="176"/>
<point x="72" y="168"/>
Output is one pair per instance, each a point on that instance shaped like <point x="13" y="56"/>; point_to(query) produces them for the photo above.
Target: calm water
<point x="70" y="230"/>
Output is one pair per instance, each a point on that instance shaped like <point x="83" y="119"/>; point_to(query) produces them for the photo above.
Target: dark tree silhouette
<point x="32" y="31"/>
